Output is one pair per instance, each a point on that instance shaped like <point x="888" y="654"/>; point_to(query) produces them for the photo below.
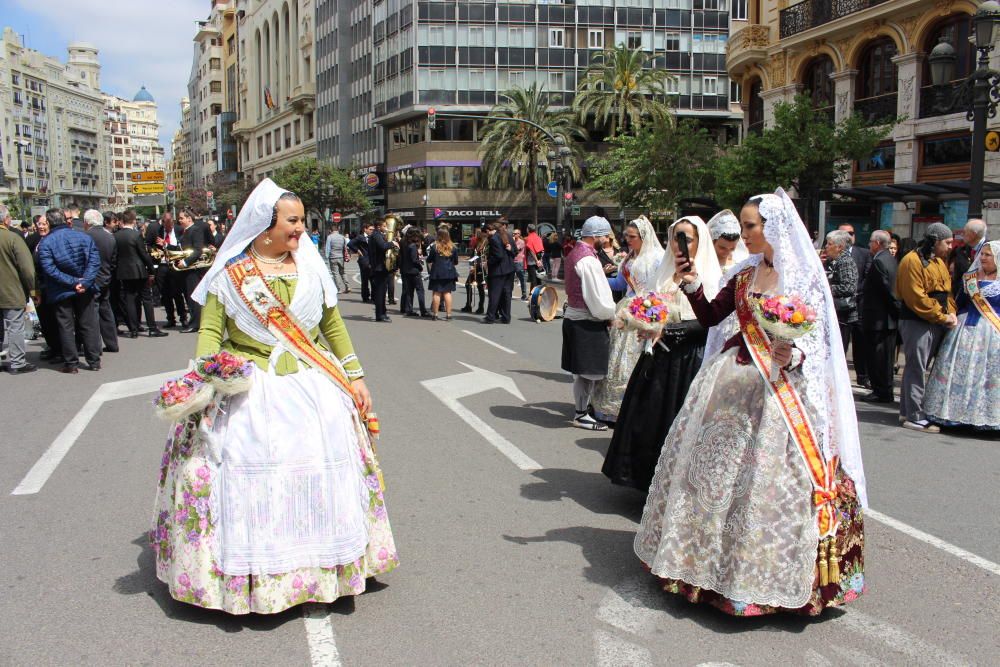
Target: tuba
<point x="175" y="259"/>
<point x="393" y="224"/>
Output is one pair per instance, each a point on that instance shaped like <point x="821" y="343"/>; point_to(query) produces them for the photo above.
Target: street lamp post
<point x="979" y="94"/>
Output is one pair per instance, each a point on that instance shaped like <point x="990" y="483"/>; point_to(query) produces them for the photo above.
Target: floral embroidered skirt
<point x="963" y="388"/>
<point x="188" y="532"/>
<point x="729" y="519"/>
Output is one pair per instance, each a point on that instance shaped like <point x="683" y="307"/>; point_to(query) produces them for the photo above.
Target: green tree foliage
<point x="514" y="154"/>
<point x="231" y="196"/>
<point x="622" y="91"/>
<point x="17" y="209"/>
<point x="657" y="166"/>
<point x="801" y="150"/>
<point x="322" y="186"/>
<point x="195" y="199"/>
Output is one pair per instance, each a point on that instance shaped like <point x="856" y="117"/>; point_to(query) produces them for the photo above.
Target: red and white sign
<point x="170" y="188"/>
<point x="209" y="194"/>
<point x="335" y="217"/>
<point x="568" y="196"/>
<point x="371" y="180"/>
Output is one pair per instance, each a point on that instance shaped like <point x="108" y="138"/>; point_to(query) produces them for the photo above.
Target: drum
<point x="544" y="303"/>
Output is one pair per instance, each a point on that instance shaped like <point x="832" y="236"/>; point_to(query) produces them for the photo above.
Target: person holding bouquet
<point x="269" y="492"/>
<point x="755" y="506"/>
<point x="659" y="382"/>
<point x="635" y="276"/>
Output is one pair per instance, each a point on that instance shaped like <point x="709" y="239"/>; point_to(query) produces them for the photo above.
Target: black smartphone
<point x="682" y="245"/>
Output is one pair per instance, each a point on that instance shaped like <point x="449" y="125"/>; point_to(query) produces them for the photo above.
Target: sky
<point x="140" y="42"/>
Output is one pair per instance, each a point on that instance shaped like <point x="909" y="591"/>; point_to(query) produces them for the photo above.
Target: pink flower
<point x="181" y="515"/>
<point x="752" y="610"/>
<point x="184" y="580"/>
<point x="197" y="484"/>
<point x="850" y="595"/>
<point x="383" y="554"/>
<point x="297" y="582"/>
<point x="204" y="473"/>
<point x="202" y="524"/>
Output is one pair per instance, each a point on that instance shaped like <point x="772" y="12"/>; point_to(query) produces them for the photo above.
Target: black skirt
<point x="585" y="347"/>
<point x="655" y="393"/>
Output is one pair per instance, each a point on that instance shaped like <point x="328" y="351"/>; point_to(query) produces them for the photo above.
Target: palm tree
<point x="623" y="90"/>
<point x="510" y="151"/>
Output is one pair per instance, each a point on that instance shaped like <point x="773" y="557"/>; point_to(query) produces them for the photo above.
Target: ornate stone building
<point x="869" y="57"/>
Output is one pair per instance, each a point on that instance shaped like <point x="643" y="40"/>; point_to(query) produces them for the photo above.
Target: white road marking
<point x="319" y="633"/>
<point x="109" y="391"/>
<point x="454" y="387"/>
<point x="936" y="542"/>
<point x="899" y="640"/>
<point x="631" y="606"/>
<point x="488" y="341"/>
<point x="614" y="651"/>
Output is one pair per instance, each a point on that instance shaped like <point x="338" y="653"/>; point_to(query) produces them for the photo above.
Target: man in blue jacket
<point x="70" y="262"/>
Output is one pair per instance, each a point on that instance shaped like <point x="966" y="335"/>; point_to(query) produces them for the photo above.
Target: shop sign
<point x="468" y="213"/>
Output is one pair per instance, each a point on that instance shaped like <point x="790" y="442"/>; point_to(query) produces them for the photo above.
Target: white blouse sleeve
<point x="596" y="291"/>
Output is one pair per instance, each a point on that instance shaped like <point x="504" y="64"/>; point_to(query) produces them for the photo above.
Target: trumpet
<point x="392" y="254"/>
<point x="175" y="258"/>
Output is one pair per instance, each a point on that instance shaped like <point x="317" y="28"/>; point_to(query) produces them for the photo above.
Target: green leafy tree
<point x="622" y="91"/>
<point x="231" y="196"/>
<point x="195" y="199"/>
<point x="514" y="154"/>
<point x="17" y="209"/>
<point x="656" y="167"/>
<point x="322" y="186"/>
<point x="801" y="150"/>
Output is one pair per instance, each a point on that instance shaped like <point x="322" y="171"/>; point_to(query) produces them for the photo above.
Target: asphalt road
<point x="514" y="549"/>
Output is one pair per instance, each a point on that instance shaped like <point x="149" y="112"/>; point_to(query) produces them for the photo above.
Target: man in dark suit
<point x="136" y="272"/>
<point x="359" y="245"/>
<point x="377" y="247"/>
<point x="93" y="221"/>
<point x="165" y="236"/>
<point x="196" y="238"/>
<point x="860" y="352"/>
<point x="500" y="274"/>
<point x="879" y="318"/>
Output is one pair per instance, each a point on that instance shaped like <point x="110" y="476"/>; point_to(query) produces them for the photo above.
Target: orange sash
<point x="821" y="471"/>
<point x="977" y="298"/>
<point x="254" y="291"/>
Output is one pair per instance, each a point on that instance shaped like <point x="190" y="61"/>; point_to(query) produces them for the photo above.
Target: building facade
<point x="460" y="56"/>
<point x="132" y="132"/>
<point x="52" y="145"/>
<point x="207" y="99"/>
<point x="870" y="58"/>
<point x="277" y="85"/>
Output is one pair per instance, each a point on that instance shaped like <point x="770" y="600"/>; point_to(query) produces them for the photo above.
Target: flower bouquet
<point x="645" y="313"/>
<point x="226" y="372"/>
<point x="784" y="318"/>
<point x="180" y="398"/>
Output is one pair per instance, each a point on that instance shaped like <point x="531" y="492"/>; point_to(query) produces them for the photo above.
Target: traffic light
<point x="431" y="118"/>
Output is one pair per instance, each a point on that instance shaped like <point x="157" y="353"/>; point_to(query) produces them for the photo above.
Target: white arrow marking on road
<point x="109" y="391"/>
<point x="488" y="341"/>
<point x="319" y="633"/>
<point x="937" y="542"/>
<point x="454" y="387"/>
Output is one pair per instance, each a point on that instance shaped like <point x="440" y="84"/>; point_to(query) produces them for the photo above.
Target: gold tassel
<point x="824" y="573"/>
<point x="834" y="562"/>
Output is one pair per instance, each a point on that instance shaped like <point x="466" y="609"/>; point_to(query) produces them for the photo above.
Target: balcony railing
<point x="878" y="108"/>
<point x="929" y="99"/>
<point x="811" y="13"/>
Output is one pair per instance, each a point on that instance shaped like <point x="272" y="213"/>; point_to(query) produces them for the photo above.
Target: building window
<point x="595" y="39"/>
<point x="673" y="85"/>
<point x="267" y="143"/>
<point x="735" y="92"/>
<point x="710" y="85"/>
<point x="477" y="79"/>
<point x="557" y="37"/>
<point x="956" y="31"/>
<point x="477" y="35"/>
<point x="260" y="147"/>
<point x="288" y="135"/>
<point x="215" y="63"/>
<point x="817" y="82"/>
<point x="633" y="40"/>
<point x="557" y="81"/>
<point x="739" y="12"/>
<point x="877" y="75"/>
<point x="672" y="41"/>
<point x="215" y="86"/>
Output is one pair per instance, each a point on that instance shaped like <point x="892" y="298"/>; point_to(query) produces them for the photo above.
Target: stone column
<point x="775" y="95"/>
<point x="909" y="73"/>
<point x="843" y="93"/>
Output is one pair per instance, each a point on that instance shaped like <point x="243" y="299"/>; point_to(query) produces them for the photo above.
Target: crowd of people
<point x="89" y="281"/>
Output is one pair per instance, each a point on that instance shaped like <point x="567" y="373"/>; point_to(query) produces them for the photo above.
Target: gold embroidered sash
<point x="821" y="472"/>
<point x="979" y="301"/>
<point x="254" y="291"/>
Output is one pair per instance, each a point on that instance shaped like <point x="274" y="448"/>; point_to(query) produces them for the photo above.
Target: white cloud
<point x="141" y="42"/>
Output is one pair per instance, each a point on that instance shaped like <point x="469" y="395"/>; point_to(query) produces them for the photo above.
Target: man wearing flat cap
<point x="585" y="346"/>
<point x="927" y="311"/>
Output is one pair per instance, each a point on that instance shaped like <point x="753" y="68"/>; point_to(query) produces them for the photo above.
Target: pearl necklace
<point x="280" y="259"/>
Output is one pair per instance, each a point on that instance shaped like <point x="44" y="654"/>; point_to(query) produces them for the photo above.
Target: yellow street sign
<point x="146" y="176"/>
<point x="148" y="188"/>
<point x="993" y="141"/>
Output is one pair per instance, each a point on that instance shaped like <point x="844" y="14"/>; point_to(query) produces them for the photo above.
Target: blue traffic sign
<point x="553" y="189"/>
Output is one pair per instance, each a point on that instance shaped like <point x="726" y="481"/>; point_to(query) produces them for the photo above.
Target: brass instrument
<point x="175" y="258"/>
<point x="393" y="224"/>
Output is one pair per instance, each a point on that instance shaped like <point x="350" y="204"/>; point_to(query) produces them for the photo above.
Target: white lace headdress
<point x="726" y="222"/>
<point x="993" y="288"/>
<point x="643" y="267"/>
<point x="705" y="261"/>
<point x="827" y="384"/>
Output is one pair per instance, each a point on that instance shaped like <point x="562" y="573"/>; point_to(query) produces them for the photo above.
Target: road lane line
<point x="897" y="639"/>
<point x="319" y="634"/>
<point x="614" y="651"/>
<point x="936" y="542"/>
<point x="487" y="340"/>
<point x="109" y="391"/>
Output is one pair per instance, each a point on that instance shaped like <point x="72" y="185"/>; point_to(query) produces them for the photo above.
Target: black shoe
<point x="466" y="309"/>
<point x="156" y="333"/>
<point x="429" y="315"/>
<point x="93" y="367"/>
<point x="392" y="302"/>
<point x="480" y="311"/>
<point x="506" y="321"/>
<point x="366" y="300"/>
<point x="71" y="370"/>
<point x="864" y="382"/>
<point x="488" y="320"/>
<point x="875" y="398"/>
<point x="132" y="334"/>
<point x="410" y="314"/>
<point x="108" y="349"/>
<point x="188" y="330"/>
<point x="383" y="319"/>
<point x="141" y="329"/>
<point x="46" y="355"/>
<point x="171" y="324"/>
<point x="26" y="368"/>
